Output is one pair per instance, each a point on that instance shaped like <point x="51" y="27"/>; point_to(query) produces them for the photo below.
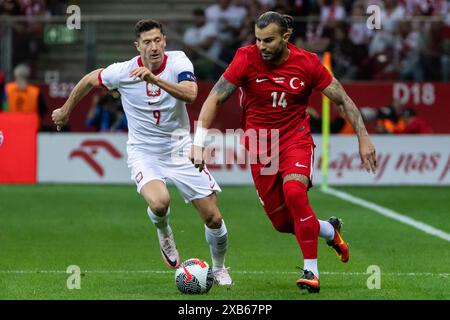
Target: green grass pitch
<point x="105" y="231"/>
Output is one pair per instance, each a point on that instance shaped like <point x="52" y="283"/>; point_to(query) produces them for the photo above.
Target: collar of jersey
<point x="157" y="71"/>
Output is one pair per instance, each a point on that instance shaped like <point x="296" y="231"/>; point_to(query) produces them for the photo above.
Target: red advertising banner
<point x="429" y="99"/>
<point x="18" y="133"/>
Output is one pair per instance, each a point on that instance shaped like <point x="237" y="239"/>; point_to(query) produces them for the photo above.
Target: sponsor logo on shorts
<point x="139" y="177"/>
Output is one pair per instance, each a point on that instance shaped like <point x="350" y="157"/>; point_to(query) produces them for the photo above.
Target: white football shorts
<point x="191" y="183"/>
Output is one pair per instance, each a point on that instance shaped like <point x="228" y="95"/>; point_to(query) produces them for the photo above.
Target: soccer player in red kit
<point x="276" y="79"/>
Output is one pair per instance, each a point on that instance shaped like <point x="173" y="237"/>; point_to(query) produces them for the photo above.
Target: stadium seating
<point x="114" y="34"/>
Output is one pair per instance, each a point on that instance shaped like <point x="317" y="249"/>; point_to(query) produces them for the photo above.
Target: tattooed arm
<point x="346" y="106"/>
<point x="219" y="94"/>
<point x="336" y="93"/>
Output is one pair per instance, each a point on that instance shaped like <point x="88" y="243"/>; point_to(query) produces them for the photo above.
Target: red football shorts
<point x="296" y="158"/>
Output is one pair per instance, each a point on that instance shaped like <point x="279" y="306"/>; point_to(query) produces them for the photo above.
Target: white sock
<point x="311" y="265"/>
<point x="218" y="242"/>
<point x="161" y="223"/>
<point x="326" y="230"/>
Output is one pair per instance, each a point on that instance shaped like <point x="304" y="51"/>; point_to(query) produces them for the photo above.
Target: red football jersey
<point x="276" y="97"/>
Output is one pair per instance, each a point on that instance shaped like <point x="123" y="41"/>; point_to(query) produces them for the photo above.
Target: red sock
<point x="306" y="225"/>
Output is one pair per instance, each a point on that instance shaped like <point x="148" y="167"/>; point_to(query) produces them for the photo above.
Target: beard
<point x="273" y="56"/>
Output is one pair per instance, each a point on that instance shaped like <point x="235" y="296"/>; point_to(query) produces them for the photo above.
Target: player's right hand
<point x="197" y="157"/>
<point x="60" y="117"/>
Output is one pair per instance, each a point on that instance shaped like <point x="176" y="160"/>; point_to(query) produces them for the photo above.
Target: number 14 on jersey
<point x="281" y="102"/>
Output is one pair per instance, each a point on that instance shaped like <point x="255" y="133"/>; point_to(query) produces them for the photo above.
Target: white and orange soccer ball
<point x="194" y="276"/>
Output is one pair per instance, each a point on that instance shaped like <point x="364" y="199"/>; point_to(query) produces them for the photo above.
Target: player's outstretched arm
<point x="336" y="93"/>
<point x="221" y="91"/>
<point x="61" y="115"/>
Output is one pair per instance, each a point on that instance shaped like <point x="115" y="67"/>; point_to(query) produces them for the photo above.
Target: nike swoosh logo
<point x="260" y="80"/>
<point x="188" y="274"/>
<point x="301" y="220"/>
<point x="172" y="263"/>
<point x="300" y="165"/>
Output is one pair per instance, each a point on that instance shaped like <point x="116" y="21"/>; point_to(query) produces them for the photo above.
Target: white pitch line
<point x="254" y="272"/>
<point x="389" y="213"/>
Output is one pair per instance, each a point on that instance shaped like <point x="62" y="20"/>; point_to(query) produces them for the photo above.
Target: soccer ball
<point x="194" y="276"/>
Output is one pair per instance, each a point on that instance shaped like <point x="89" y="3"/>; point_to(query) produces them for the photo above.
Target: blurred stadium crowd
<point x="412" y="44"/>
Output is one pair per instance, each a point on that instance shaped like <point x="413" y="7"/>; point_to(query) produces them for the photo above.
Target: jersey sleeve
<point x="235" y="72"/>
<point x="321" y="77"/>
<point x="184" y="70"/>
<point x="109" y="78"/>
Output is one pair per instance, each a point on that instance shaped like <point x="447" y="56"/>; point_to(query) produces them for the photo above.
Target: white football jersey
<point x="157" y="122"/>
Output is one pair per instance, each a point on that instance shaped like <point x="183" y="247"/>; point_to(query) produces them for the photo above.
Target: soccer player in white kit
<point x="154" y="88"/>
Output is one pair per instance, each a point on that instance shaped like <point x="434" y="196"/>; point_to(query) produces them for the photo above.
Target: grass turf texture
<point x="105" y="230"/>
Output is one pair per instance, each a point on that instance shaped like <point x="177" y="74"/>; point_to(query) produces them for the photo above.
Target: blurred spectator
<point x="390" y="120"/>
<point x="318" y="36"/>
<point x="27" y="36"/>
<point x="10" y="8"/>
<point x="445" y="43"/>
<point x="258" y="6"/>
<point x="381" y="53"/>
<point x="267" y="5"/>
<point x="106" y="113"/>
<point x="57" y="7"/>
<point x="317" y="39"/>
<point x="228" y="19"/>
<point x="425" y="7"/>
<point x="414" y="124"/>
<point x="345" y="62"/>
<point x="435" y="46"/>
<point x="331" y="12"/>
<point x="391" y="14"/>
<point x="226" y="15"/>
<point x="409" y="48"/>
<point x="21" y="96"/>
<point x="33" y="7"/>
<point x="202" y="35"/>
<point x="296" y="8"/>
<point x="360" y="35"/>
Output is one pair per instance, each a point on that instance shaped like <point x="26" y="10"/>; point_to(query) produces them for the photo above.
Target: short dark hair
<point x="147" y="25"/>
<point x="284" y="21"/>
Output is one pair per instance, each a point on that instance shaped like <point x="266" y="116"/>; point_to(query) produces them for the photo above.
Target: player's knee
<point x="294" y="191"/>
<point x="159" y="207"/>
<point x="214" y="219"/>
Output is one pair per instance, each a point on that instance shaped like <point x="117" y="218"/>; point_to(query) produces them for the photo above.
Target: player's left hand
<point x="145" y="74"/>
<point x="197" y="157"/>
<point x="367" y="154"/>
